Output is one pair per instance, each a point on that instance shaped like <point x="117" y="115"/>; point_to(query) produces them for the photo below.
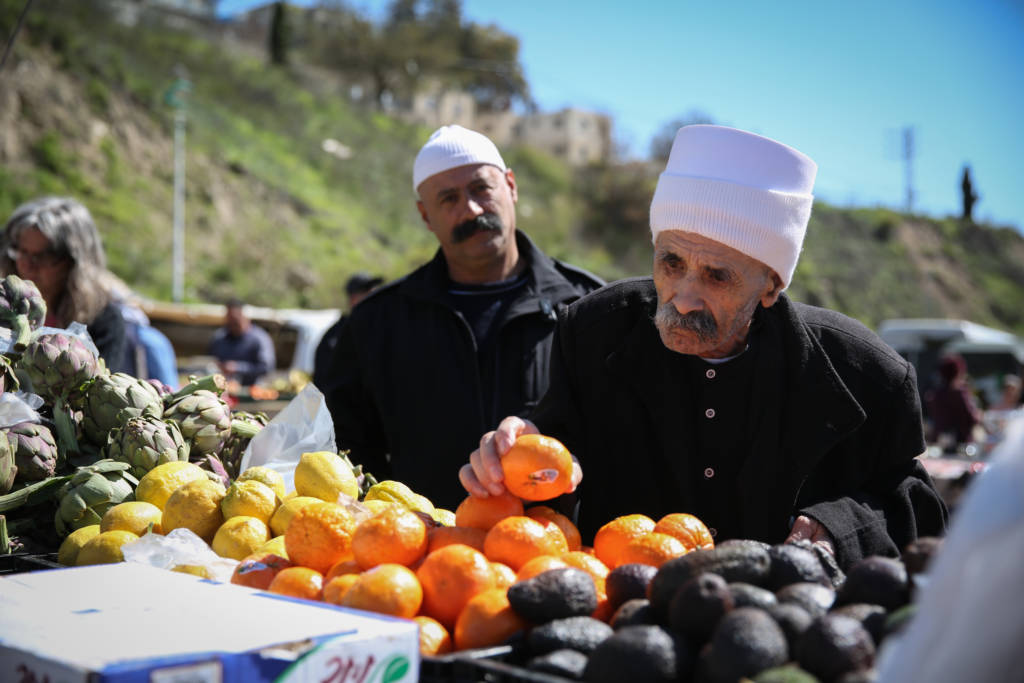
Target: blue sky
<point x="836" y="80"/>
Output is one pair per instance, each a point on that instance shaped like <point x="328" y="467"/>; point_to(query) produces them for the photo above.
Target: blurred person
<point x="1009" y="399"/>
<point x="357" y="288"/>
<point x="244" y="351"/>
<point x="430" y="361"/>
<point x="952" y="408"/>
<point x="704" y="389"/>
<point x="149" y="354"/>
<point x="53" y="241"/>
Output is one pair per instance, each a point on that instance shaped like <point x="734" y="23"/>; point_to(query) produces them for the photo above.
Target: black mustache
<point x="701" y="323"/>
<point x="482" y="223"/>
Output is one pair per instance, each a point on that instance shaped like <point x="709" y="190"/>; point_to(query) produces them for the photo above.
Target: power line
<point x="14" y="34"/>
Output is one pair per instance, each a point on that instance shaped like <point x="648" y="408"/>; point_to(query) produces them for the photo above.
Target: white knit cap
<point x="746" y="191"/>
<point x="450" y="147"/>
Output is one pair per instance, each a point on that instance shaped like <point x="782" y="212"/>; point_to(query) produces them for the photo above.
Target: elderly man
<point x="707" y="390"/>
<point x="429" y="362"/>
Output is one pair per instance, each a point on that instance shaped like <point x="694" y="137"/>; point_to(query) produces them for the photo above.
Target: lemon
<point x="239" y="537"/>
<point x="275" y="546"/>
<point x="444" y="517"/>
<point x="134" y="516"/>
<point x="265" y="475"/>
<point x="68" y="551"/>
<point x="194" y="569"/>
<point x="249" y="499"/>
<point x="325" y="475"/>
<point x="195" y="506"/>
<point x="286" y="510"/>
<point x="398" y="492"/>
<point x="105" y="548"/>
<point x="157" y="485"/>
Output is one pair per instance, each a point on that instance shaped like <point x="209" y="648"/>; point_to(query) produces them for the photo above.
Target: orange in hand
<point x="537" y="467"/>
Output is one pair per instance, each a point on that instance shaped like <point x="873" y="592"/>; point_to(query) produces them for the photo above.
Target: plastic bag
<point x="304" y="426"/>
<point x="75" y="329"/>
<point x="179" y="547"/>
<point x="17" y="407"/>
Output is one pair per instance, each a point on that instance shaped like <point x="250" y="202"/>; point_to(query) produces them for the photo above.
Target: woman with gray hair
<point x="53" y="242"/>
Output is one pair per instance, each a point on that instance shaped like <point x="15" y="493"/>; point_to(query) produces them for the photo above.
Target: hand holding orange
<point x="537" y="467"/>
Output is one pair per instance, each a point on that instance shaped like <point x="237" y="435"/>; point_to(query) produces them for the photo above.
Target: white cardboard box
<point x="131" y="623"/>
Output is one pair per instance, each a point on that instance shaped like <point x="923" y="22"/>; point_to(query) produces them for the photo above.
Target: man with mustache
<point x="706" y="390"/>
<point x="430" y="361"/>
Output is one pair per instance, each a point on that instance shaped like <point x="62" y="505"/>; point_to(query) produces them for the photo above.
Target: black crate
<point x="485" y="665"/>
<point x="16" y="563"/>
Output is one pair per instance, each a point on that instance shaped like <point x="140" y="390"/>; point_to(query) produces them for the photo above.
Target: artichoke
<point x="36" y="451"/>
<point x="204" y="420"/>
<point x="110" y="400"/>
<point x="8" y="463"/>
<point x="22" y="309"/>
<point x="244" y="426"/>
<point x="90" y="491"/>
<point x="8" y="378"/>
<point x="145" y="442"/>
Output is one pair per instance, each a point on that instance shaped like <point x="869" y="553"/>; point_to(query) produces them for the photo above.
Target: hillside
<point x="273" y="218"/>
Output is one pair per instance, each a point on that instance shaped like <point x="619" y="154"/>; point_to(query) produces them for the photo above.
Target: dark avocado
<point x="746" y="595"/>
<point x="871" y="617"/>
<point x="734" y="560"/>
<point x="582" y="634"/>
<point x="835" y="645"/>
<point x="792" y="619"/>
<point x="746" y="642"/>
<point x="793" y="563"/>
<point x="565" y="663"/>
<point x="627" y="582"/>
<point x="698" y="605"/>
<point x="637" y="654"/>
<point x="813" y="597"/>
<point x="554" y="594"/>
<point x="632" y="613"/>
<point x="876" y="580"/>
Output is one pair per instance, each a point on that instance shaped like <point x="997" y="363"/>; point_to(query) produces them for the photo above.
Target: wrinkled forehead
<point x="457" y="178"/>
<point x="690" y="245"/>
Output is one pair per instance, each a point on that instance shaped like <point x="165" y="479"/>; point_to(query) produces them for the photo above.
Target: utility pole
<point x="177" y="97"/>
<point x="908" y="161"/>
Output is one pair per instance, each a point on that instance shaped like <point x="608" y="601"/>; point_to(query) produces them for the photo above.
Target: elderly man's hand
<point x="807" y="529"/>
<point x="483" y="476"/>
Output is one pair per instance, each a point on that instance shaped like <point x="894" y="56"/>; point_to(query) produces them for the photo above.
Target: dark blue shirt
<point x="252" y="351"/>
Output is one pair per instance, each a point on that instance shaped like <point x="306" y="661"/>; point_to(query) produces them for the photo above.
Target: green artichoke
<point x="110" y="400"/>
<point x="22" y="309"/>
<point x="90" y="491"/>
<point x="204" y="420"/>
<point x="145" y="442"/>
<point x="8" y="461"/>
<point x="36" y="454"/>
<point x="8" y="378"/>
<point x="244" y="426"/>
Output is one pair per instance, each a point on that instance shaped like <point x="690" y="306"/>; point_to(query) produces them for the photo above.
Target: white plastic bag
<point x="179" y="547"/>
<point x="304" y="426"/>
<point x="17" y="407"/>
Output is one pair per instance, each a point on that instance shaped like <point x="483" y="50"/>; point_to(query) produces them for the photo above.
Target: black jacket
<point x="108" y="334"/>
<point x="836" y="425"/>
<point x="404" y="387"/>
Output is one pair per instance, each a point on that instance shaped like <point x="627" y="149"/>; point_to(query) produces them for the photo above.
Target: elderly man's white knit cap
<point x="748" y="192"/>
<point x="450" y="147"/>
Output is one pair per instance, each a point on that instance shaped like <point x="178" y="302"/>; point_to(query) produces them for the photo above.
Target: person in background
<point x="53" y="241"/>
<point x="1009" y="399"/>
<point x="430" y="361"/>
<point x="244" y="351"/>
<point x="149" y="353"/>
<point x="357" y="288"/>
<point x="952" y="408"/>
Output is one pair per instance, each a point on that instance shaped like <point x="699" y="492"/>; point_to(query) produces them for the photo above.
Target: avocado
<point x="554" y="594"/>
<point x="582" y="634"/>
<point x="795" y="564"/>
<point x="792" y="619"/>
<point x="834" y="645"/>
<point x="633" y="612"/>
<point x="898" y="619"/>
<point x="746" y="642"/>
<point x="746" y="595"/>
<point x="638" y="654"/>
<point x="788" y="673"/>
<point x="871" y="617"/>
<point x="919" y="553"/>
<point x="698" y="605"/>
<point x="628" y="581"/>
<point x="565" y="663"/>
<point x="735" y="561"/>
<point x="876" y="580"/>
<point x="813" y="597"/>
<point x="829" y="564"/>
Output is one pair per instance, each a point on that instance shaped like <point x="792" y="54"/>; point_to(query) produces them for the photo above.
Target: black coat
<point x="838" y="431"/>
<point x="404" y="387"/>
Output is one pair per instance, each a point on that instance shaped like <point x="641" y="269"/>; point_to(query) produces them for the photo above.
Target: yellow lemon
<point x="397" y="492"/>
<point x="194" y="569"/>
<point x="134" y="516"/>
<point x="442" y="516"/>
<point x="195" y="506"/>
<point x="105" y="548"/>
<point x="68" y="551"/>
<point x="286" y="510"/>
<point x="249" y="499"/>
<point x="325" y="475"/>
<point x="239" y="537"/>
<point x="157" y="485"/>
<point x="275" y="546"/>
<point x="265" y="475"/>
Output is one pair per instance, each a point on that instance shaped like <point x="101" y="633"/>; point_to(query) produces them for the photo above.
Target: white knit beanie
<point x="450" y="147"/>
<point x="746" y="191"/>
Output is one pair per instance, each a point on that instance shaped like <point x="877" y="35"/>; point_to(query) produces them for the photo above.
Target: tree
<point x="279" y="34"/>
<point x="661" y="143"/>
<point x="969" y="195"/>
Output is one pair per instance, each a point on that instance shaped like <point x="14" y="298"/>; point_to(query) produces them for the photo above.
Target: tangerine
<point x="258" y="570"/>
<point x="487" y="619"/>
<point x="346" y="566"/>
<point x="503" y="575"/>
<point x="434" y="637"/>
<point x="687" y="528"/>
<point x="483" y="513"/>
<point x="441" y="536"/>
<point x="539" y="565"/>
<point x="394" y="535"/>
<point x="319" y="536"/>
<point x="386" y="589"/>
<point x="588" y="563"/>
<point x="298" y="582"/>
<point x="336" y="587"/>
<point x="515" y="540"/>
<point x="537" y="467"/>
<point x="450" y="577"/>
<point x="654" y="549"/>
<point x="569" y="530"/>
<point x="612" y="538"/>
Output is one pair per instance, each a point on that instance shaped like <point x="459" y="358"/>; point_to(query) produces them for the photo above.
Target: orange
<point x="483" y="513"/>
<point x="434" y="638"/>
<point x="346" y="566"/>
<point x="604" y="611"/>
<point x="386" y="589"/>
<point x="588" y="563"/>
<point x="486" y="620"/>
<point x="554" y="532"/>
<point x="395" y="535"/>
<point x="537" y="467"/>
<point x="258" y="570"/>
<point x="569" y="530"/>
<point x="319" y="536"/>
<point x="298" y="582"/>
<point x="654" y="549"/>
<point x="503" y="575"/>
<point x="441" y="536"/>
<point x="611" y="539"/>
<point x="515" y="540"/>
<point x="336" y="587"/>
<point x="539" y="565"/>
<point x="687" y="528"/>
<point x="450" y="576"/>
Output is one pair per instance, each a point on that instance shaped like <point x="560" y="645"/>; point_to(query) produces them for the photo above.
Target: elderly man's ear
<point x="773" y="289"/>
